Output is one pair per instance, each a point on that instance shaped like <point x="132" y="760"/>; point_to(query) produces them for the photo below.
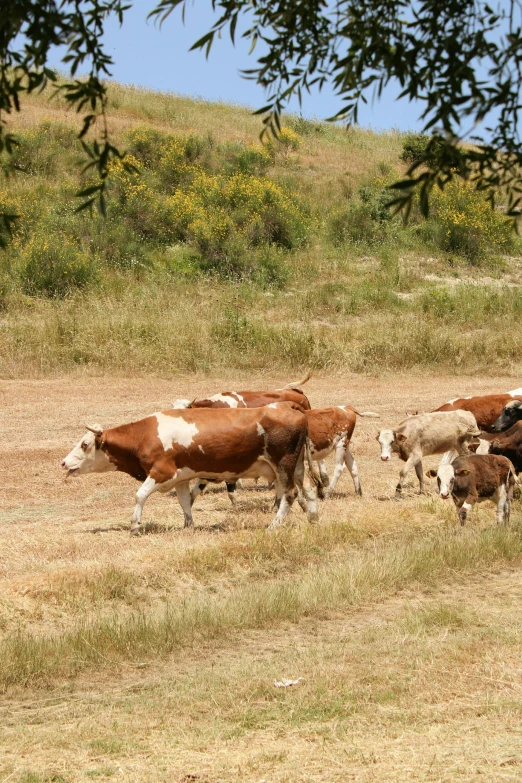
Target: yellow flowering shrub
<point x="245" y="210"/>
<point x="287" y="141"/>
<point x="467" y="224"/>
<point x="53" y="266"/>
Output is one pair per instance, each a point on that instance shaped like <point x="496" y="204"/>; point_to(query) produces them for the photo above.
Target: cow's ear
<point x="463" y="472"/>
<point x="399" y="437"/>
<point x="431" y="473"/>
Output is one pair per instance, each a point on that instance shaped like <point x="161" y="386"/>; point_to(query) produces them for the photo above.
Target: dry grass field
<point x="154" y="658"/>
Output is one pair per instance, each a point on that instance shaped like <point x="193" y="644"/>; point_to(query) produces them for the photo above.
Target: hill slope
<point x="219" y="253"/>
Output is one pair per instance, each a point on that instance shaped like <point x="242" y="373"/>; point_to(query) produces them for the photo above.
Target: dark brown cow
<point x="251" y="399"/>
<point x="169" y="448"/>
<point x="476" y="478"/>
<point x="507" y="444"/>
<point x="486" y="408"/>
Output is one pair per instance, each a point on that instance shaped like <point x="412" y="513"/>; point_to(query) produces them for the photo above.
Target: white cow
<point x="425" y="434"/>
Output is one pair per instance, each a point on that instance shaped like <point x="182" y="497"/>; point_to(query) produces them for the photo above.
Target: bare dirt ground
<point x="215" y="715"/>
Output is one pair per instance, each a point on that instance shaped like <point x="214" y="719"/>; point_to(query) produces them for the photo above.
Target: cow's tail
<point x="364" y="414"/>
<point x="298" y="384"/>
<point x="315" y="478"/>
<point x="512" y="472"/>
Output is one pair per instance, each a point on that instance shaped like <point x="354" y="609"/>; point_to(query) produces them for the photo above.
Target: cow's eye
<point x="84" y="446"/>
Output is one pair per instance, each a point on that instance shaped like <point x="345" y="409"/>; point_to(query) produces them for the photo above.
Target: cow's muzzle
<point x="384" y="459"/>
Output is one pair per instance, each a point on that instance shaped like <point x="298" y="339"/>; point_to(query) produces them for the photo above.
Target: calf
<point x="329" y="429"/>
<point x="424" y="434"/>
<point x="485" y="408"/>
<point x="511" y="413"/>
<point x="168" y="449"/>
<point x="476" y="478"/>
<point x="251" y="399"/>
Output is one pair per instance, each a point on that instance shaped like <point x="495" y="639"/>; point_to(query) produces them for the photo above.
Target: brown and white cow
<point x="424" y="434"/>
<point x="475" y="478"/>
<point x="251" y="399"/>
<point x="485" y="408"/>
<point x="168" y="449"/>
<point x="329" y="429"/>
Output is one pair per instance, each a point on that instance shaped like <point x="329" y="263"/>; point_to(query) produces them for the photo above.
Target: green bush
<point x="365" y="221"/>
<point x="420" y="148"/>
<point x="53" y="266"/>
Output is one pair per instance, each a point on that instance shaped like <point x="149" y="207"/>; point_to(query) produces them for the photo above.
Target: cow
<point x="169" y="448"/>
<point x="329" y="429"/>
<point x="507" y="444"/>
<point x="486" y="408"/>
<point x="251" y="399"/>
<point x="425" y="434"/>
<point x="475" y="478"/>
<point x="511" y="413"/>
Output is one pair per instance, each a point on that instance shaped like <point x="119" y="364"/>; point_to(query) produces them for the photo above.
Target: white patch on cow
<point x="272" y="405"/>
<point x="386" y="438"/>
<point x="446" y="477"/>
<point x="516" y="392"/>
<point x="260" y="430"/>
<point x="230" y="401"/>
<point x="483" y="447"/>
<point x="179" y="404"/>
<point x="175" y="430"/>
<point x="450" y="402"/>
<point x="201" y="449"/>
<point x="342" y="408"/>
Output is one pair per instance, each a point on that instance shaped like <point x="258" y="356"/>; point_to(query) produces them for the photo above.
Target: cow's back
<point x="437" y="432"/>
<point x="253" y="399"/>
<point x="325" y="423"/>
<point x="486" y="408"/>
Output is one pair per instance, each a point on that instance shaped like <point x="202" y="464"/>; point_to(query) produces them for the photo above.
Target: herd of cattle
<point x="276" y="434"/>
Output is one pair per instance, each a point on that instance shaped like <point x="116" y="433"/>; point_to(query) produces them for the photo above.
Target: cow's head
<point x="87" y="456"/>
<point x="511" y="413"/>
<point x="390" y="442"/>
<point x="446" y="478"/>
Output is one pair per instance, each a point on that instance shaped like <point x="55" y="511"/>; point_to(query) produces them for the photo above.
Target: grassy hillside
<point x="219" y="253"/>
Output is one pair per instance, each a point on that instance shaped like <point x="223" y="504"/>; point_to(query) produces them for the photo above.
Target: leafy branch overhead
<point x="460" y="60"/>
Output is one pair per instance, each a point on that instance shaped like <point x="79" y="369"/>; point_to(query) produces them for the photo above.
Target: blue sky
<point x="147" y="56"/>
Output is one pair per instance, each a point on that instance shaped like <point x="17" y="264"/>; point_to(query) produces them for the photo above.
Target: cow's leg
<point x="291" y="479"/>
<point x="502" y="503"/>
<point x="412" y="461"/>
<point x="420" y="476"/>
<point x="354" y="470"/>
<point x="309" y="505"/>
<point x="339" y="467"/>
<point x="198" y="487"/>
<point x="147" y="488"/>
<point x="185" y="501"/>
<point x="465" y="509"/>
<point x="231" y="489"/>
<point x="323" y="472"/>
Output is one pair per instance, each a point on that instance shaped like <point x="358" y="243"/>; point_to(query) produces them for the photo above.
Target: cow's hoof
<point x="313" y="517"/>
<point x="135" y="531"/>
